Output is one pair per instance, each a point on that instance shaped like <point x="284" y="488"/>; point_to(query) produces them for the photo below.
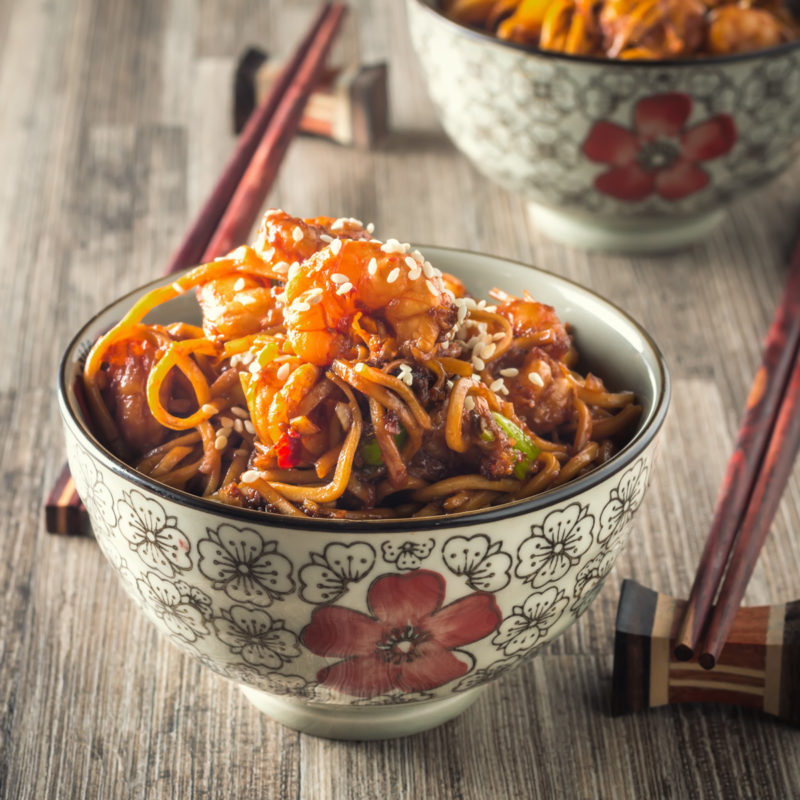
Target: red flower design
<point x="408" y="640"/>
<point x="659" y="155"/>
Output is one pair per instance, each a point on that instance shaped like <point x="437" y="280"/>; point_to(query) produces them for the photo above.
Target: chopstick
<point x="752" y="485"/>
<point x="235" y="201"/>
<point x="775" y="471"/>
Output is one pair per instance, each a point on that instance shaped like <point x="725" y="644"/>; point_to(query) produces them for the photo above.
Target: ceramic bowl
<point x="618" y="155"/>
<point x="374" y="629"/>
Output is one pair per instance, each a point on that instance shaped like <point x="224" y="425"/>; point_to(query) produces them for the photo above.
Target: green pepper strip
<point x="371" y="451"/>
<point x="522" y="443"/>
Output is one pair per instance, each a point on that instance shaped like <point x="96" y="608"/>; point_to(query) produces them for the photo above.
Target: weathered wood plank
<point x="114" y="125"/>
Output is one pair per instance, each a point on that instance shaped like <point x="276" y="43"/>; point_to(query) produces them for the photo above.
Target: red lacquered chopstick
<point x="741" y="474"/>
<point x="195" y="242"/>
<point x="261" y="171"/>
<point x="773" y="475"/>
<point x="218" y="227"/>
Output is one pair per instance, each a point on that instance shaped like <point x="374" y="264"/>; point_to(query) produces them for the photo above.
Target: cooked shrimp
<point x="351" y="292"/>
<point x="661" y="28"/>
<point x="533" y="323"/>
<point x="734" y="29"/>
<point x="283" y="239"/>
<point x="542" y="394"/>
<point x="239" y="305"/>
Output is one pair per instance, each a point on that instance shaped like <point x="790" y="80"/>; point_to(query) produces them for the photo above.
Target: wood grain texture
<point x="114" y="126"/>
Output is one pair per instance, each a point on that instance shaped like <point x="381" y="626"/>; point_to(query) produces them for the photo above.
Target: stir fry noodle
<point x="337" y="375"/>
<point x="633" y="29"/>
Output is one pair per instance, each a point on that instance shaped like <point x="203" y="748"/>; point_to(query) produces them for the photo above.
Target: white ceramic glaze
<point x="631" y="156"/>
<point x="284" y="608"/>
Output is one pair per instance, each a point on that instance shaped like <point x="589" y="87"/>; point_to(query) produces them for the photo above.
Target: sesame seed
<point x="254" y="368"/>
<point x="372" y="267"/>
<point x="488" y="350"/>
<point x="238" y="411"/>
<point x="427" y="268"/>
<point x="238" y="426"/>
<point x="418" y="256"/>
<point x="249" y="427"/>
<point x="345" y="221"/>
<point x="393" y="246"/>
<point x="221" y="442"/>
<point x="297" y="234"/>
<point x="370" y="227"/>
<point x="336" y="246"/>
<point x="498" y="336"/>
<point x="283" y="371"/>
<point x="239" y="285"/>
<point x="431" y="288"/>
<point x="207" y="408"/>
<point x="393" y="275"/>
<point x="462" y="313"/>
<point x="411" y="263"/>
<point x="478" y="363"/>
<point x="280" y="267"/>
<point x="325" y="238"/>
<point x="413" y="274"/>
<point x="345" y="288"/>
<point x="509" y="372"/>
<point x="314" y="298"/>
<point x="337" y="277"/>
<point x="300" y="305"/>
<point x="268" y="255"/>
<point x="536" y="379"/>
<point x="495" y="385"/>
<point x="503" y="389"/>
<point x="246" y="357"/>
<point x="469" y="403"/>
<point x="247" y="300"/>
<point x="294" y="269"/>
<point x="249" y="476"/>
<point x="226" y="422"/>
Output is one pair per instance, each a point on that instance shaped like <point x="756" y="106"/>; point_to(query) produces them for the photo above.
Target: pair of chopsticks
<point x="235" y="201"/>
<point x="757" y="472"/>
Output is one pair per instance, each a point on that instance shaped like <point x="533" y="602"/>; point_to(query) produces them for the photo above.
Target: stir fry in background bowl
<point x="632" y="29"/>
<point x="638" y="153"/>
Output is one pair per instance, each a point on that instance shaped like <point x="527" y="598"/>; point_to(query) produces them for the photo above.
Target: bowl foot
<point x="634" y="235"/>
<point x="360" y="722"/>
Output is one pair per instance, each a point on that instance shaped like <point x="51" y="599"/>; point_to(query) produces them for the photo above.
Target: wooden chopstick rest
<point x="759" y="666"/>
<point x="349" y="105"/>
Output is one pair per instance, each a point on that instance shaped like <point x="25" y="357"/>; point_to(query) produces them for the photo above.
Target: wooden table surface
<point x="114" y="122"/>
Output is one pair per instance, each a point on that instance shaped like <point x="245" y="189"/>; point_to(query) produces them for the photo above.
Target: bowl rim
<point x="615" y="465"/>
<point x="431" y="6"/>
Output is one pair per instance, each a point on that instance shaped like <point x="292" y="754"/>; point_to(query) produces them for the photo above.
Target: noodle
<point x="363" y="384"/>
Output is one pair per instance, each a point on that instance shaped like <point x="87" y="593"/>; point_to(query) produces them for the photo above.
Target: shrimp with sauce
<point x="362" y="292"/>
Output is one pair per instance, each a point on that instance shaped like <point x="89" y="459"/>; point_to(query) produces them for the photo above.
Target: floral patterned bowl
<point x="619" y="155"/>
<point x="374" y="629"/>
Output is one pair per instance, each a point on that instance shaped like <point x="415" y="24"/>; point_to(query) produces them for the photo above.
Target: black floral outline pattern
<point x="260" y="640"/>
<point x="527" y="626"/>
<point x="152" y="534"/>
<point x="326" y="578"/>
<point x="623" y="502"/>
<point x="555" y="546"/>
<point x="239" y="562"/>
<point x="482" y="561"/>
<point x="184" y="609"/>
<point x="408" y="554"/>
